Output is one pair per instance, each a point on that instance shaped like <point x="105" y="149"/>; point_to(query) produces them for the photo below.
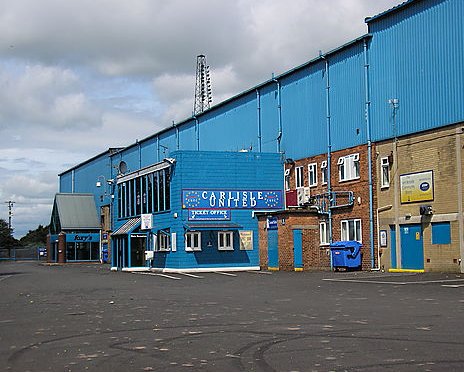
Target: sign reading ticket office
<point x="232" y="199"/>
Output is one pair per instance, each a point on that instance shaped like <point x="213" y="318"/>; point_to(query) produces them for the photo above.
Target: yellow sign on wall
<point x="416" y="187"/>
<point x="246" y="240"/>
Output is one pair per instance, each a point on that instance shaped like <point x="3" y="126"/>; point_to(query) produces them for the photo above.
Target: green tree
<point x="7" y="241"/>
<point x="36" y="237"/>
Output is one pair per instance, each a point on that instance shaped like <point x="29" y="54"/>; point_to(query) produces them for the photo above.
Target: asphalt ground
<point x="86" y="318"/>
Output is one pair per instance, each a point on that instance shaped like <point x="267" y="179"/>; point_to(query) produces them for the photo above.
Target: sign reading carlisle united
<point x="232" y="199"/>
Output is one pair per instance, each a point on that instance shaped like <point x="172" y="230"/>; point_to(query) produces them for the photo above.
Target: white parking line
<point x="189" y="275"/>
<point x="5" y="277"/>
<point x="453" y="286"/>
<point x="157" y="274"/>
<point x="226" y="274"/>
<point x="260" y="272"/>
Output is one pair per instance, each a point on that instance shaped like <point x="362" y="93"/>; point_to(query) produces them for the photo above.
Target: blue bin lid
<point x="355" y="245"/>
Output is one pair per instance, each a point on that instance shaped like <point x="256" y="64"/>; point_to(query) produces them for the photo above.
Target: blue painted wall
<point x="214" y="170"/>
<point x="86" y="176"/>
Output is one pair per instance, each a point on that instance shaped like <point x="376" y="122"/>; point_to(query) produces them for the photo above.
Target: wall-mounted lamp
<point x="169" y="160"/>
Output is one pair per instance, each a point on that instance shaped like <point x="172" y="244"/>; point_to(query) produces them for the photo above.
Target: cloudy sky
<point x="79" y="76"/>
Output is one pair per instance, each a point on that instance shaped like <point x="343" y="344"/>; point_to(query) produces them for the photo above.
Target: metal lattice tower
<point x="203" y="95"/>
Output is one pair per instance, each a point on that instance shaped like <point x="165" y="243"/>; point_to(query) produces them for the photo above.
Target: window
<point x="193" y="241"/>
<point x="225" y="240"/>
<point x="312" y="174"/>
<point x="348" y="167"/>
<point x="145" y="194"/>
<point x="323" y="233"/>
<point x="385" y="172"/>
<point x="163" y="241"/>
<point x="351" y="230"/>
<point x="324" y="172"/>
<point x="287" y="179"/>
<point x="299" y="177"/>
<point x="441" y="233"/>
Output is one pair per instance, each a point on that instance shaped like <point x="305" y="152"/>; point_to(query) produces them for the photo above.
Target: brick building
<point x="420" y="199"/>
<point x="316" y="216"/>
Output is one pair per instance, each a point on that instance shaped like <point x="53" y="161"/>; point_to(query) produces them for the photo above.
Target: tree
<point x="36" y="237"/>
<point x="7" y="240"/>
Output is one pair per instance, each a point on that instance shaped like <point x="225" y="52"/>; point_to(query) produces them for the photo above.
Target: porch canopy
<point x="128" y="227"/>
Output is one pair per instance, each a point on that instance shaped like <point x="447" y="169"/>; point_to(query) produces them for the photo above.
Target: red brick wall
<point x="314" y="255"/>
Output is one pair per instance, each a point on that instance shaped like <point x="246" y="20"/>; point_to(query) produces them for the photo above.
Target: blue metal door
<point x="298" y="249"/>
<point x="393" y="246"/>
<point x="412" y="249"/>
<point x="272" y="249"/>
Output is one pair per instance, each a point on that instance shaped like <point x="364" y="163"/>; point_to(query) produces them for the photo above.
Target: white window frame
<point x="312" y="174"/>
<point x="287" y="179"/>
<point x="227" y="239"/>
<point x="192" y="237"/>
<point x="323" y="233"/>
<point x="324" y="172"/>
<point x="163" y="241"/>
<point x="345" y="230"/>
<point x="384" y="172"/>
<point x="348" y="167"/>
<point x="299" y="177"/>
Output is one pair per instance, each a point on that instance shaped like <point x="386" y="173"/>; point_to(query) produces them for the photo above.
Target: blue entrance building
<point x="194" y="211"/>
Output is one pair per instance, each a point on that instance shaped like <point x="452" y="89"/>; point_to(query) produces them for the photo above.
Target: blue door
<point x="393" y="246"/>
<point x="272" y="249"/>
<point x="412" y="249"/>
<point x="298" y="250"/>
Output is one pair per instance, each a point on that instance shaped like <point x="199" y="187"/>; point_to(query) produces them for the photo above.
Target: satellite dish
<point x="122" y="167"/>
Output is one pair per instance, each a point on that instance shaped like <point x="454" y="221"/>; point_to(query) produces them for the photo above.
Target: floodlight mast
<point x="10" y="212"/>
<point x="203" y="94"/>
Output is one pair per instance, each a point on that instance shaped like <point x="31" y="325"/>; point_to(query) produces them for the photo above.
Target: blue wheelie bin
<point x="346" y="254"/>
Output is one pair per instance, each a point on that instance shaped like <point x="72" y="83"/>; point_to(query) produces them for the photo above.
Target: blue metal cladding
<point x="231" y="128"/>
<point x="66" y="181"/>
<point x="347" y="98"/>
<point x="85" y="179"/>
<point x="187" y="136"/>
<point x="216" y="170"/>
<point x="304" y="112"/>
<point x="269" y="117"/>
<point x="416" y="56"/>
<point x="148" y="151"/>
<point x="167" y="145"/>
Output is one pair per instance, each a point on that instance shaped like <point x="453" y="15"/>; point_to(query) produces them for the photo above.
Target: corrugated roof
<point x="76" y="211"/>
<point x="127" y="227"/>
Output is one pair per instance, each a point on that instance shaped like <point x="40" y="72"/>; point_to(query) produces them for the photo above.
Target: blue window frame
<point x="441" y="233"/>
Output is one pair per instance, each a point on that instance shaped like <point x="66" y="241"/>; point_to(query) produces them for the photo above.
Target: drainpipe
<point x="279" y="109"/>
<point x="158" y="148"/>
<point x="177" y="135"/>
<point x="72" y="181"/>
<point x="197" y="132"/>
<point x="369" y="156"/>
<point x="329" y="150"/>
<point x="258" y="114"/>
<point x="140" y="153"/>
